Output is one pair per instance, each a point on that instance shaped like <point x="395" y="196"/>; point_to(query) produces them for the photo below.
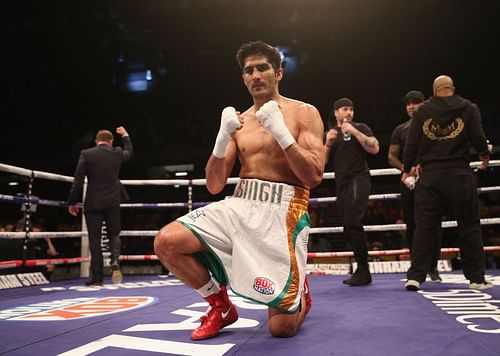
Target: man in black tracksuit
<point x="412" y="100"/>
<point x="346" y="146"/>
<point x="441" y="134"/>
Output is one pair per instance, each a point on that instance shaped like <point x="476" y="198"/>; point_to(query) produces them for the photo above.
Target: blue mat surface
<point x="154" y="315"/>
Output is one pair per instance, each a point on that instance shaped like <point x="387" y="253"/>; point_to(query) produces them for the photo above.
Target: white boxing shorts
<point x="257" y="241"/>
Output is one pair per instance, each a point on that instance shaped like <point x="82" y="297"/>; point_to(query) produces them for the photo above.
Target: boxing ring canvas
<point x="154" y="315"/>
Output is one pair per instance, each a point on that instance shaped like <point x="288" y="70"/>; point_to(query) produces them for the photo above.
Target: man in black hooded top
<point x="440" y="135"/>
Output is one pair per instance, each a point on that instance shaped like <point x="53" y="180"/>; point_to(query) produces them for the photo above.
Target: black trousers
<point x="352" y="201"/>
<point x="437" y="191"/>
<point x="94" y="219"/>
<point x="408" y="207"/>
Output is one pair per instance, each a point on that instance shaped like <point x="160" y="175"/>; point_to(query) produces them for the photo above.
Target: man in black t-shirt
<point x="412" y="100"/>
<point x="346" y="146"/>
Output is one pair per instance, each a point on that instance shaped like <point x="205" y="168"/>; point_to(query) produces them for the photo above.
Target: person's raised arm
<point x="128" y="149"/>
<point x="120" y="130"/>
<point x="331" y="136"/>
<point x="369" y="143"/>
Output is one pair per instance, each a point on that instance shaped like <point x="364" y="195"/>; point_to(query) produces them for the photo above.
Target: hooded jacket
<point x="442" y="132"/>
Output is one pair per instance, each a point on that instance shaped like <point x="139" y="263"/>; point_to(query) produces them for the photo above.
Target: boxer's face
<point x="259" y="76"/>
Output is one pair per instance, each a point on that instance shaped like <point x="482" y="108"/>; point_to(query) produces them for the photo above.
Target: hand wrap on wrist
<point x="270" y="116"/>
<point x="228" y="124"/>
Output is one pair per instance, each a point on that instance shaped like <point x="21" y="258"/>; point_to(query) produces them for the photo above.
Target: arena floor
<point x="154" y="315"/>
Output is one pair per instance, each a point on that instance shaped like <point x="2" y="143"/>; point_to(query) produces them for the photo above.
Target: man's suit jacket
<point x="101" y="164"/>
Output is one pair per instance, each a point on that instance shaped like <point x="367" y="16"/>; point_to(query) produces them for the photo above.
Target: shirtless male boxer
<point x="257" y="239"/>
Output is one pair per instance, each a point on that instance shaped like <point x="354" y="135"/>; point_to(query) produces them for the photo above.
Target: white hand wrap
<point x="228" y="124"/>
<point x="270" y="116"/>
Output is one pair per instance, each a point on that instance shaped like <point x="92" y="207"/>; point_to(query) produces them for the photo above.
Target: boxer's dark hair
<point x="258" y="48"/>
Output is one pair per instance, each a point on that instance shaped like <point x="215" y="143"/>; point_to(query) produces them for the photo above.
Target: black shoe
<point x="434" y="275"/>
<point x="93" y="283"/>
<point x="361" y="277"/>
<point x="412" y="285"/>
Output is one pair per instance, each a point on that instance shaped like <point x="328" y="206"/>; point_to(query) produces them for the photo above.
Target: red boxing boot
<point x="221" y="313"/>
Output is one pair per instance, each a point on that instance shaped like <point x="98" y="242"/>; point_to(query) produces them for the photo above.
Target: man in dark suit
<point x="101" y="164"/>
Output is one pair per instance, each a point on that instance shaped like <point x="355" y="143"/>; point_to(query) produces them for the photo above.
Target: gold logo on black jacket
<point x="435" y="132"/>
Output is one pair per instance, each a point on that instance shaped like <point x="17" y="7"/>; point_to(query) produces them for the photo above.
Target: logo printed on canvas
<point x="263" y="285"/>
<point x="78" y="308"/>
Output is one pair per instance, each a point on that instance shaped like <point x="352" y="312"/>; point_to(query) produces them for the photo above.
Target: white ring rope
<point x="312" y="231"/>
<point x="202" y="182"/>
<point x="403" y="251"/>
<point x="153" y="205"/>
<point x="395" y="227"/>
<point x="37" y="174"/>
<point x="312" y="201"/>
<point x="42" y="234"/>
<point x="391" y="196"/>
<point x="232" y="180"/>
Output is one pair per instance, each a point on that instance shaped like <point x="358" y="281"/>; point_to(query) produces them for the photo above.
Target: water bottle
<point x="347" y="135"/>
<point x="410" y="181"/>
<point x="490" y="146"/>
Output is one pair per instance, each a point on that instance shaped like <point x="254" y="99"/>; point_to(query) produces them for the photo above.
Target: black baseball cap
<point x="414" y="96"/>
<point x="342" y="102"/>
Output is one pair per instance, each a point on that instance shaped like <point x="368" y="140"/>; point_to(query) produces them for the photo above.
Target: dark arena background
<point x="164" y="69"/>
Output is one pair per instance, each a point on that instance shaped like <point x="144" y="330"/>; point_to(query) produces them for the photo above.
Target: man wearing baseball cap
<point x="346" y="148"/>
<point x="441" y="134"/>
<point x="412" y="101"/>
